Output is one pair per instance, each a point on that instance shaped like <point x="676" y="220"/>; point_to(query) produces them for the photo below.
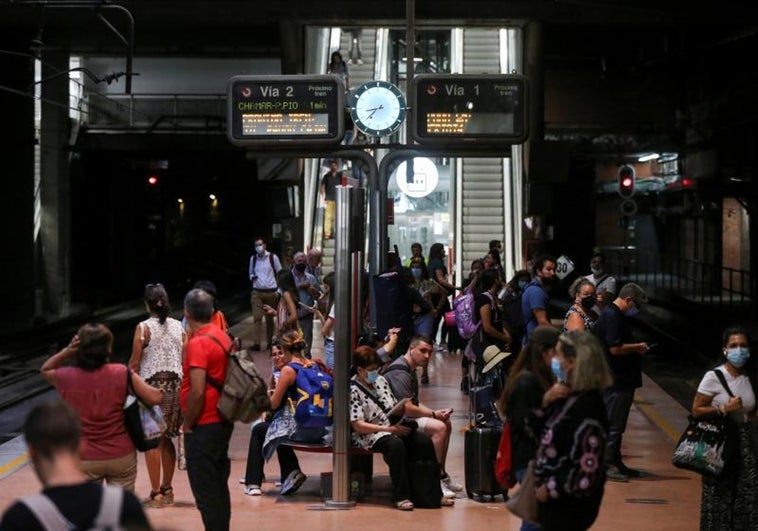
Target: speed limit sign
<point x="563" y="267"/>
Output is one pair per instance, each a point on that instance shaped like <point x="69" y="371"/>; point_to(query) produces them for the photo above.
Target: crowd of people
<point x="566" y="392"/>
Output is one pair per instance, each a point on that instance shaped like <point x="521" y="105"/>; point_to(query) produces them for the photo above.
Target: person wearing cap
<point x="401" y="376"/>
<point x="529" y="380"/>
<point x="624" y="357"/>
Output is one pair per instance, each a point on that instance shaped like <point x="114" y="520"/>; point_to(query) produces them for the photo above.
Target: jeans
<point x="206" y="448"/>
<point x="525" y="526"/>
<point x="306" y="325"/>
<point x="254" y="470"/>
<point x="618" y="402"/>
<point x="329" y="353"/>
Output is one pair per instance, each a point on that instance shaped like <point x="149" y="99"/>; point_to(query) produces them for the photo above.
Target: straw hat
<point x="492" y="356"/>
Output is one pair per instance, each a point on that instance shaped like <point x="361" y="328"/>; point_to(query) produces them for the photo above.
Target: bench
<point x="361" y="460"/>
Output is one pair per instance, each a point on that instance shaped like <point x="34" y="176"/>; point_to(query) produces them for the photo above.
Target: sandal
<point x="154" y="500"/>
<point x="404" y="505"/>
<point x="167" y="491"/>
<point x="448" y="502"/>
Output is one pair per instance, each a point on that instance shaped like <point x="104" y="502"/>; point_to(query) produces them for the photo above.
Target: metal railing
<point x="693" y="280"/>
<point x="155" y="111"/>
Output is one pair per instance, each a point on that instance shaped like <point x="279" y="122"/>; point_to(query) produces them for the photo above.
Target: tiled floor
<point x="668" y="499"/>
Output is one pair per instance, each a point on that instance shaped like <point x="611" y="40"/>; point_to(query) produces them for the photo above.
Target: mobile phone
<point x="306" y="306"/>
<point x="651" y="346"/>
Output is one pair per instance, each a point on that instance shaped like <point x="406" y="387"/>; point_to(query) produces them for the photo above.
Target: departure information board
<point x="280" y="109"/>
<point x="453" y="108"/>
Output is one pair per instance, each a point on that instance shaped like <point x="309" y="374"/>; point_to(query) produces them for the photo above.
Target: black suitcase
<point x="480" y="449"/>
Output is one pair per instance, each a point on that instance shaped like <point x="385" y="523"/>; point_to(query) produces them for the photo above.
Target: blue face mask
<point x="558" y="372"/>
<point x="522" y="284"/>
<point x="631" y="312"/>
<point x="416" y="272"/>
<point x="371" y="376"/>
<point x="738" y="356"/>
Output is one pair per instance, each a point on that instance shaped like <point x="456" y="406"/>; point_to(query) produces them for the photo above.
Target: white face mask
<point x="259" y="249"/>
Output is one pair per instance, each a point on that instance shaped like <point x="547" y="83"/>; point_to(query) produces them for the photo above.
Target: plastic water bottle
<point x="181" y="458"/>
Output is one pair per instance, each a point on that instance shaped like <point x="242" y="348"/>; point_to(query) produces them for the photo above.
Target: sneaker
<point x="253" y="490"/>
<point x="446" y="492"/>
<point x="293" y="482"/>
<point x="613" y="474"/>
<point x="448" y="482"/>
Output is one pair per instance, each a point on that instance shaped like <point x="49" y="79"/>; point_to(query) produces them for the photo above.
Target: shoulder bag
<point x="707" y="444"/>
<point x="144" y="424"/>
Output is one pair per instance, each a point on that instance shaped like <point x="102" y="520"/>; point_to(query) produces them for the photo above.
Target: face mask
<point x="300" y="267"/>
<point x="259" y="249"/>
<point x="522" y="284"/>
<point x="587" y="302"/>
<point x="558" y="372"/>
<point x="596" y="270"/>
<point x="737" y="356"/>
<point x="631" y="312"/>
<point x="371" y="376"/>
<point x="416" y="272"/>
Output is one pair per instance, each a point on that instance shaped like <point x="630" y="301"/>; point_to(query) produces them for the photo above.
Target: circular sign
<point x="563" y="267"/>
<point x="628" y="207"/>
<point x="421" y="182"/>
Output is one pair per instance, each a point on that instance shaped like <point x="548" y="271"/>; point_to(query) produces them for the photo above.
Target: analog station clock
<point x="378" y="108"/>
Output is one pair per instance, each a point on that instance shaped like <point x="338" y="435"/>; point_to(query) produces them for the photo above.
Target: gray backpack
<point x="51" y="518"/>
<point x="244" y="395"/>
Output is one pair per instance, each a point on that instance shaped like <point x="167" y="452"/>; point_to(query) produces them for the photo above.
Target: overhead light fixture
<point x="648" y="157"/>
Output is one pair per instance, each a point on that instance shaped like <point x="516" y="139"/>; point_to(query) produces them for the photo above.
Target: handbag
<point x="144" y="424"/>
<point x="707" y="444"/>
<point x="504" y="460"/>
<point x="524" y="503"/>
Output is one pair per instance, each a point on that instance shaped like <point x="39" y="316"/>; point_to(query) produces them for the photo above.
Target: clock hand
<point x="373" y="111"/>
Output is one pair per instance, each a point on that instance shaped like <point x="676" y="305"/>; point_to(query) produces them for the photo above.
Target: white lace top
<point x="164" y="352"/>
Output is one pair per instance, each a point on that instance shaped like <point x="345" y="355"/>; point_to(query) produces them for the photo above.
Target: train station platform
<point x="666" y="499"/>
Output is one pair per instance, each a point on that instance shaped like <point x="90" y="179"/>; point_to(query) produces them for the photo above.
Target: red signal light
<point x="626" y="181"/>
<point x="152" y="180"/>
<point x="687" y="182"/>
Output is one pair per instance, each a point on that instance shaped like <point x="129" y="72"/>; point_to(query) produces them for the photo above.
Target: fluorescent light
<point x="649" y="156"/>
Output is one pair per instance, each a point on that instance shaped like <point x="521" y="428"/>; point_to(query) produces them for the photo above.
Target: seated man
<point x="68" y="500"/>
<point x="401" y="375"/>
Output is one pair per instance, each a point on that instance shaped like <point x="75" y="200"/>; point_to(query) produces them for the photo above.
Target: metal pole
<point x="342" y="307"/>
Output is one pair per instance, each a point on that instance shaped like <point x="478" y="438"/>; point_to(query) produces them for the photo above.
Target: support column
<point x="17" y="214"/>
<point x="53" y="248"/>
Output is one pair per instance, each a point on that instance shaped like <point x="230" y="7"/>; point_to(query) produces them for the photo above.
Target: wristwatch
<point x="378" y="108"/>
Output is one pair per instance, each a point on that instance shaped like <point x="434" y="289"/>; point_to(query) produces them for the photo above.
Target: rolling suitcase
<point x="480" y="449"/>
<point x="480" y="444"/>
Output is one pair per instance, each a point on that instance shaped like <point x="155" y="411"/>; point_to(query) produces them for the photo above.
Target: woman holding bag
<point x="97" y="390"/>
<point x="729" y="501"/>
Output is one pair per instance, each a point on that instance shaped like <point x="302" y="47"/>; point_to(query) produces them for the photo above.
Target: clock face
<point x="378" y="108"/>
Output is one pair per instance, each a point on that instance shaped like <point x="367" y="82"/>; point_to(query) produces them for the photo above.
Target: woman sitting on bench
<point x="288" y="463"/>
<point x="400" y="444"/>
<point x="283" y="426"/>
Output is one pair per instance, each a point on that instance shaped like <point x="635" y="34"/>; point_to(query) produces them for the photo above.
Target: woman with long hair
<point x="580" y="315"/>
<point x="286" y="307"/>
<point x="157" y="348"/>
<point x="97" y="390"/>
<point x="529" y="379"/>
<point x="570" y="471"/>
<point x="440" y="304"/>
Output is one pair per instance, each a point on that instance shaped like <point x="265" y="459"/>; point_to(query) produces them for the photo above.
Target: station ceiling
<point x="254" y="27"/>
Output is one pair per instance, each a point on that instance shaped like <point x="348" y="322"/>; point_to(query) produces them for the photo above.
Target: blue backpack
<point x="315" y="394"/>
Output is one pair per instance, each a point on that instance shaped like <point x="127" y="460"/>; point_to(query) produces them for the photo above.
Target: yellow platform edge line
<point x="13" y="463"/>
<point x="657" y="419"/>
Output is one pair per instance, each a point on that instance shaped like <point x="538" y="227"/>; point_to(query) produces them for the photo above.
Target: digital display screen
<point x="273" y="109"/>
<point x="457" y="107"/>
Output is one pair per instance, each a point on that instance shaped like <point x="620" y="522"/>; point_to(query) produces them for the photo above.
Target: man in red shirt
<point x="206" y="435"/>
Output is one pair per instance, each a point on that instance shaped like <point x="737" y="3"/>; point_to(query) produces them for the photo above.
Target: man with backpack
<point x="262" y="272"/>
<point x="68" y="500"/>
<point x="206" y="434"/>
